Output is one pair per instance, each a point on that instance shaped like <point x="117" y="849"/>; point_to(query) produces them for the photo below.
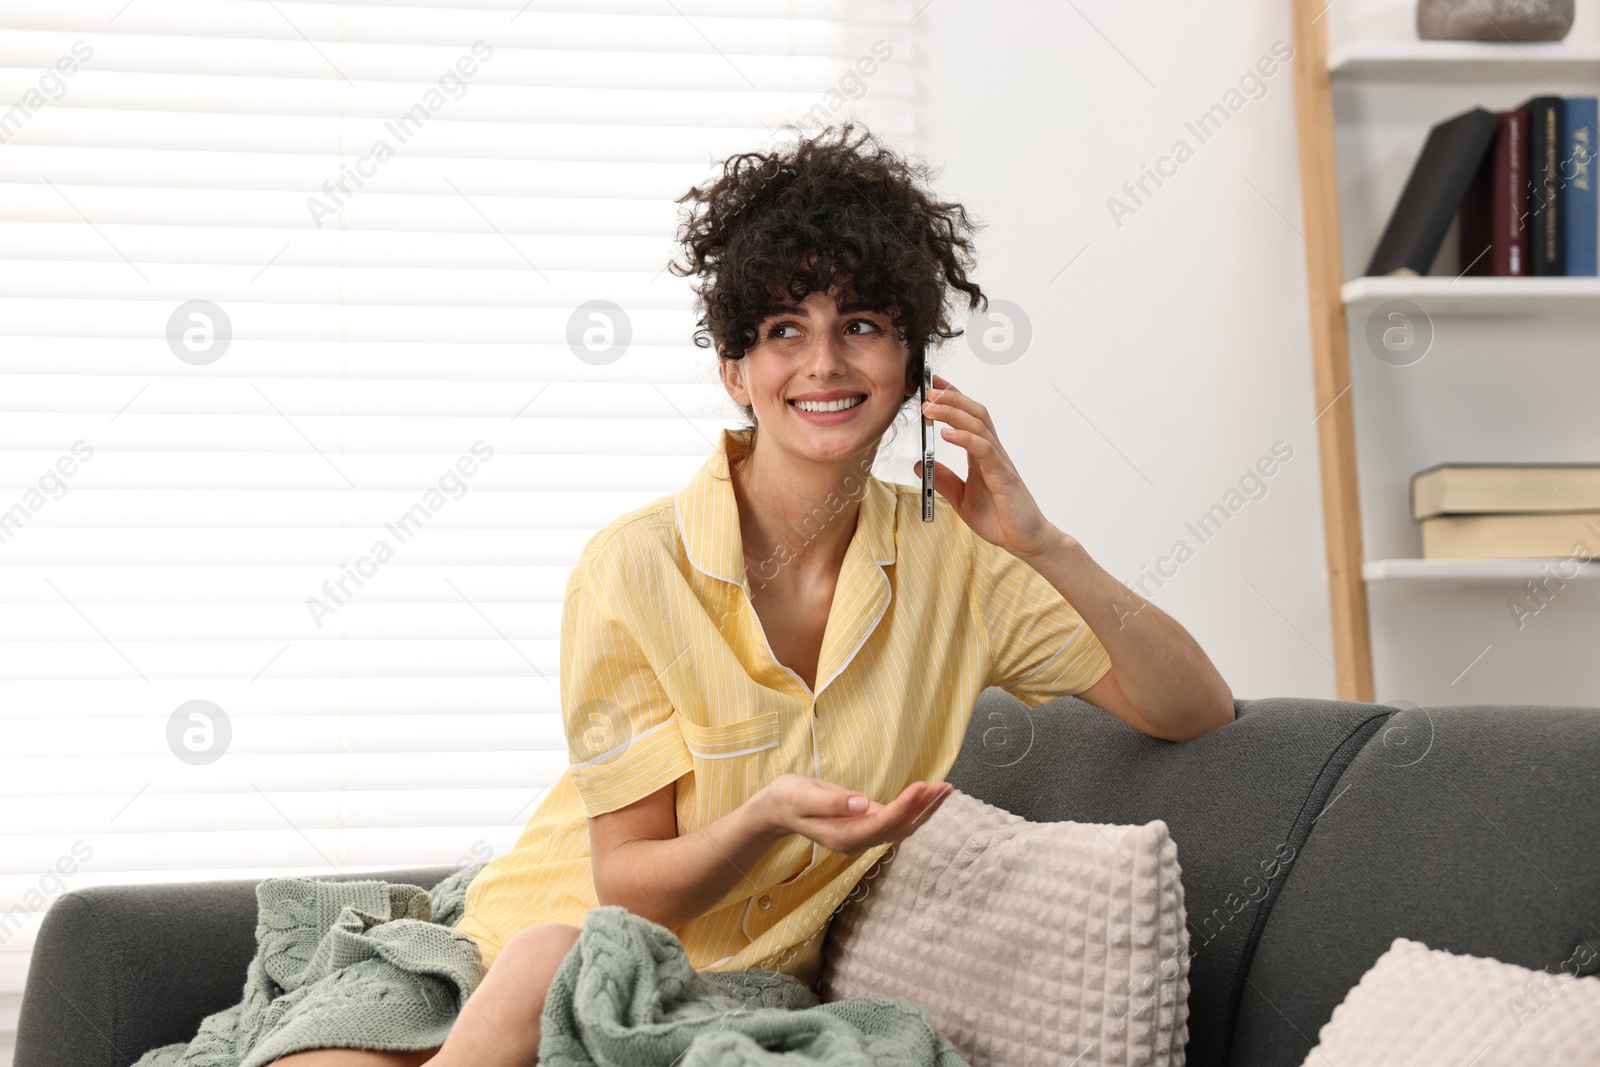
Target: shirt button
<point x="765" y="902"/>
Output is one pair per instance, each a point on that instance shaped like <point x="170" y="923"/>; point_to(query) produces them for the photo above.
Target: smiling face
<point x="824" y="383"/>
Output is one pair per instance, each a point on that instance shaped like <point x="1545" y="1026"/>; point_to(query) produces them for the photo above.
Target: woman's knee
<point x="529" y="962"/>
<point x="546" y="937"/>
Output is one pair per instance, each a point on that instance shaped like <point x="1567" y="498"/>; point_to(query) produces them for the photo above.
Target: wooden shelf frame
<point x="1330" y="354"/>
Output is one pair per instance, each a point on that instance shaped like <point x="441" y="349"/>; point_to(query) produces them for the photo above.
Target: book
<point x="1554" y="535"/>
<point x="1544" y="186"/>
<point x="1475" y="231"/>
<point x="1578" y="138"/>
<point x="1439" y="179"/>
<point x="1476" y="488"/>
<point x="1494" y="211"/>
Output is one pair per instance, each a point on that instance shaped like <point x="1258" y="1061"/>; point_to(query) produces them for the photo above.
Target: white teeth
<point x="828" y="405"/>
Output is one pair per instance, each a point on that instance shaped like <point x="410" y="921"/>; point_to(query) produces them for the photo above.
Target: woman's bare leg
<point x="353" y="1057"/>
<point x="499" y="1026"/>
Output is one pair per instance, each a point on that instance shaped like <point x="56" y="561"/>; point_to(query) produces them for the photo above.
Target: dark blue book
<point x="1582" y="227"/>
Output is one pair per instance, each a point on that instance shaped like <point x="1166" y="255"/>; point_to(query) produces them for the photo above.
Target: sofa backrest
<point x="1240" y="802"/>
<point x="1474" y="830"/>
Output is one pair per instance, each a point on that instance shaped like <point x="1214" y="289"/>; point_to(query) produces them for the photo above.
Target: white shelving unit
<point x="1458" y="61"/>
<point x="1476" y="296"/>
<point x="1515" y="570"/>
<point x="1445" y="63"/>
<point x="1512" y="375"/>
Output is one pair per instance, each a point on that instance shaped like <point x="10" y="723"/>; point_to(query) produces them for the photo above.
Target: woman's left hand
<point x="992" y="500"/>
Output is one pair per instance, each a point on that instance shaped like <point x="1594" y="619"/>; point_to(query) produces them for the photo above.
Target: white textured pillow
<point x="1421" y="1007"/>
<point x="1029" y="944"/>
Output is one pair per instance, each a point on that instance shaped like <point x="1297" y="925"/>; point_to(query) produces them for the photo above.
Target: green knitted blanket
<point x="375" y="965"/>
<point x="362" y="964"/>
<point x="626" y="996"/>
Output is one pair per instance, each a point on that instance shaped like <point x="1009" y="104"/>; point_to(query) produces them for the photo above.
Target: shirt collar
<point x="708" y="516"/>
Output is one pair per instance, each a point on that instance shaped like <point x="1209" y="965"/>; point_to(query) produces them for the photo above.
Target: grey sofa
<point x="1311" y="833"/>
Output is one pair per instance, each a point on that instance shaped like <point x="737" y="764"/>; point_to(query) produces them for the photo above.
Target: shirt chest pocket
<point x="732" y="760"/>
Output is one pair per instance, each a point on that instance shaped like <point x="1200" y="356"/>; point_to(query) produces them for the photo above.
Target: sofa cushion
<point x="1469" y="829"/>
<point x="1027" y="943"/>
<point x="1424" y="1008"/>
<point x="1238" y="801"/>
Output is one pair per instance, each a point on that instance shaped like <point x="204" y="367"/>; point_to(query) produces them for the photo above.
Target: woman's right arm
<point x="641" y="863"/>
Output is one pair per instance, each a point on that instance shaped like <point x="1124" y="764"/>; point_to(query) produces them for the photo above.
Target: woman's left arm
<point x="1160" y="680"/>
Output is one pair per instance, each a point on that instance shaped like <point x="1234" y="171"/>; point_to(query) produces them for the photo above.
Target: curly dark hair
<point x="835" y="209"/>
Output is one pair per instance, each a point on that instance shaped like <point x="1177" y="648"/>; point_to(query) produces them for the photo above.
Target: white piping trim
<point x="725" y="755"/>
<point x="683" y="535"/>
<point x="869" y="631"/>
<point x="744" y="919"/>
<point x="608" y="753"/>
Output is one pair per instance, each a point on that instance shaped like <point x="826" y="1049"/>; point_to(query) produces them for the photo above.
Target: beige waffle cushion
<point x="1029" y="944"/>
<point x="1421" y="1007"/>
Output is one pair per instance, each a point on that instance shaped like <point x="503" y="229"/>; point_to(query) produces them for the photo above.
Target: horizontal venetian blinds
<point x="305" y="410"/>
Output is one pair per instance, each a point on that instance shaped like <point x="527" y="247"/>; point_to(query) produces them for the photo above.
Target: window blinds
<point x="304" y="415"/>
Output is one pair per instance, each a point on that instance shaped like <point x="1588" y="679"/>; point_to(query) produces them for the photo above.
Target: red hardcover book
<point x="1494" y="211"/>
<point x="1508" y="217"/>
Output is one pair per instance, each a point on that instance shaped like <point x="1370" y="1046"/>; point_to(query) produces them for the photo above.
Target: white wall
<point x="1180" y="335"/>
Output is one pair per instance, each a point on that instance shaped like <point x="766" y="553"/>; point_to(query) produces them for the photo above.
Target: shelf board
<point x="1462" y="61"/>
<point x="1376" y="570"/>
<point x="1476" y="295"/>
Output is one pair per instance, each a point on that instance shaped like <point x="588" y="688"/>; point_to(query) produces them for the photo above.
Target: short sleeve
<point x="1039" y="646"/>
<point x="623" y="741"/>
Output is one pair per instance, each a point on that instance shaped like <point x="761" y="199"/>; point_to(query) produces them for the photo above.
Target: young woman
<point x="766" y="676"/>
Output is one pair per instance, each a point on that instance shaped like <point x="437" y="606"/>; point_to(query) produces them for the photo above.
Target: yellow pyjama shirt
<point x="667" y="676"/>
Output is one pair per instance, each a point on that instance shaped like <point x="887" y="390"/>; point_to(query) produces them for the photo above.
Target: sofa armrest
<point x="119" y="970"/>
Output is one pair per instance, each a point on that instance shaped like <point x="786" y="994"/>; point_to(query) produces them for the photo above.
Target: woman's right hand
<point x="821" y="811"/>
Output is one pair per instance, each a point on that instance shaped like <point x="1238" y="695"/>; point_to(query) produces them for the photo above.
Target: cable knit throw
<point x="374" y="965"/>
<point x="363" y="964"/>
<point x="626" y="996"/>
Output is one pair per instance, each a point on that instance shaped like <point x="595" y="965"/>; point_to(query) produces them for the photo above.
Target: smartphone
<point x="927" y="447"/>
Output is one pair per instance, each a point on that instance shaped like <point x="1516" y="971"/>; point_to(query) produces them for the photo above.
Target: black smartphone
<point x="927" y="447"/>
